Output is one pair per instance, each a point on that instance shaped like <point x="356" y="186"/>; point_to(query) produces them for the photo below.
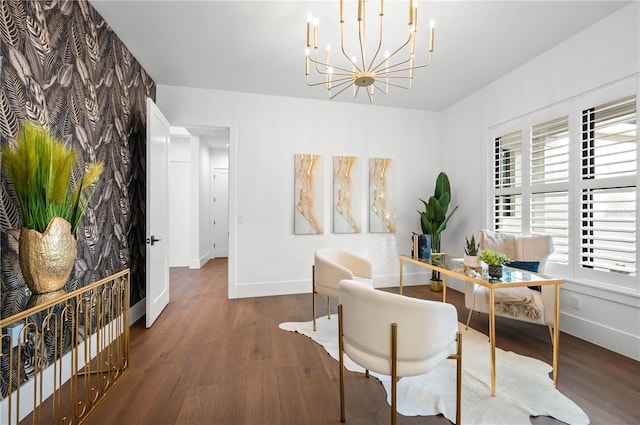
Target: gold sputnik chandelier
<point x="372" y="74"/>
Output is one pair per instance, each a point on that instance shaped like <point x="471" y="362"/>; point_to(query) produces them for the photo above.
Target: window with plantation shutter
<point x="571" y="171"/>
<point x="608" y="204"/>
<point x="508" y="183"/>
<point x="549" y="180"/>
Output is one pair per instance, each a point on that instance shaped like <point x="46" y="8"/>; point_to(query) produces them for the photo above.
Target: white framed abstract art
<point x="382" y="213"/>
<point x="346" y="195"/>
<point x="308" y="212"/>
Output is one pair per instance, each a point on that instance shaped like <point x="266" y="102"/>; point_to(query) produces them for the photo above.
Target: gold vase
<point x="46" y="259"/>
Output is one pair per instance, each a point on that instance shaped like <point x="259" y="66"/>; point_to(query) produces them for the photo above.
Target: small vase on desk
<point x="471" y="261"/>
<point x="495" y="271"/>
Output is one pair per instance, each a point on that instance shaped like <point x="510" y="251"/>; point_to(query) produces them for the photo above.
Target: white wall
<point x="204" y="232"/>
<point x="598" y="57"/>
<point x="179" y="196"/>
<point x="265" y="257"/>
<point x="219" y="158"/>
<point x="220" y="230"/>
<point x="198" y="207"/>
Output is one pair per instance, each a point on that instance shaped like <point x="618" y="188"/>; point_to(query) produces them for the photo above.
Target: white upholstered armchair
<point x="330" y="267"/>
<point x="527" y="250"/>
<point x="395" y="335"/>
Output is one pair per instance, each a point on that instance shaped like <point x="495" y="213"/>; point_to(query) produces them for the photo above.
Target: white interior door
<point x="220" y="208"/>
<point x="157" y="264"/>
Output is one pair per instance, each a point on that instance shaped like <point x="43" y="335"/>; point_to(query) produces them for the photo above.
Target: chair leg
<point x="458" y="358"/>
<point x="551" y="335"/>
<point x="329" y="308"/>
<point x="341" y="358"/>
<point x="459" y="379"/>
<point x="469" y="318"/>
<point x="313" y="295"/>
<point x="394" y="370"/>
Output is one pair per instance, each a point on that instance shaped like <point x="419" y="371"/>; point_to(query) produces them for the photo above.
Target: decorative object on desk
<point x="53" y="197"/>
<point x="435" y="284"/>
<point x="471" y="252"/>
<point x="434" y="218"/>
<point x="421" y="246"/>
<point x="494" y="260"/>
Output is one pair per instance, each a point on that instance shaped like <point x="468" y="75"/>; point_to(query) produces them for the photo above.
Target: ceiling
<point x="258" y="46"/>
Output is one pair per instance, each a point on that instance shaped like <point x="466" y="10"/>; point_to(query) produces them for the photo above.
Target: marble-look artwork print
<point x="382" y="214"/>
<point x="346" y="194"/>
<point x="308" y="209"/>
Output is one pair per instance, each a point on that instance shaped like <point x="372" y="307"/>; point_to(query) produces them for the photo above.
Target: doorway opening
<point x="199" y="194"/>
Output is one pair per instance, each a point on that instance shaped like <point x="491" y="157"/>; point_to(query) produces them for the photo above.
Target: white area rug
<point x="523" y="386"/>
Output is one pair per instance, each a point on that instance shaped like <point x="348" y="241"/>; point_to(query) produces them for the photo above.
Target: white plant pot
<point x="471" y="261"/>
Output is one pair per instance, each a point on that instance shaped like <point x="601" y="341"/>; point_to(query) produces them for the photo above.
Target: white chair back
<point x="332" y="265"/>
<point x="426" y="329"/>
<point x="519" y="248"/>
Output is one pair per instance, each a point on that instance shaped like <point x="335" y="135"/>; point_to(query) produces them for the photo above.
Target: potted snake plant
<point x="471" y="252"/>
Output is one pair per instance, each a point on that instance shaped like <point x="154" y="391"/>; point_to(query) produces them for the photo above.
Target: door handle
<point x="152" y="240"/>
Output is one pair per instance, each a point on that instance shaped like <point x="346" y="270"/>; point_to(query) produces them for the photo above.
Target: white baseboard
<point x="197" y="263"/>
<point x="137" y="311"/>
<point x="263" y="289"/>
<point x="604" y="336"/>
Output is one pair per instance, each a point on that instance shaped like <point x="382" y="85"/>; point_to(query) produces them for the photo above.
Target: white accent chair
<point x="519" y="248"/>
<point x="330" y="267"/>
<point x="395" y="335"/>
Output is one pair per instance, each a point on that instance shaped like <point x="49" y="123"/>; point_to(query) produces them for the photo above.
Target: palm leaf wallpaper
<point x="61" y="66"/>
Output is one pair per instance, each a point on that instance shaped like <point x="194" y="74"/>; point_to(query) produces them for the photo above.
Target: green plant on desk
<point x="492" y="257"/>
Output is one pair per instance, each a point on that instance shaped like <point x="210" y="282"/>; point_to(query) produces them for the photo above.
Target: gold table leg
<point x="492" y="340"/>
<point x="556" y="335"/>
<point x="444" y="288"/>
<point x="400" y="276"/>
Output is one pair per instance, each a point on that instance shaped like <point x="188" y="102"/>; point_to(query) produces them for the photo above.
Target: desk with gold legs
<point x="513" y="278"/>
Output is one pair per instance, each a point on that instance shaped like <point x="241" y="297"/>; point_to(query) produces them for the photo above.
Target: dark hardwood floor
<point x="210" y="360"/>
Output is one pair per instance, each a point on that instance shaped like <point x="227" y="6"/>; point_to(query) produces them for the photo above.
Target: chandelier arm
<point x="343" y="51"/>
<point x="339" y="82"/>
<point x="384" y="91"/>
<point x="410" y="68"/>
<point x="341" y="91"/>
<point x="360" y="37"/>
<point x="398" y="85"/>
<point x="390" y="70"/>
<point x="373" y="60"/>
<point x="318" y="62"/>
<point x="393" y="54"/>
